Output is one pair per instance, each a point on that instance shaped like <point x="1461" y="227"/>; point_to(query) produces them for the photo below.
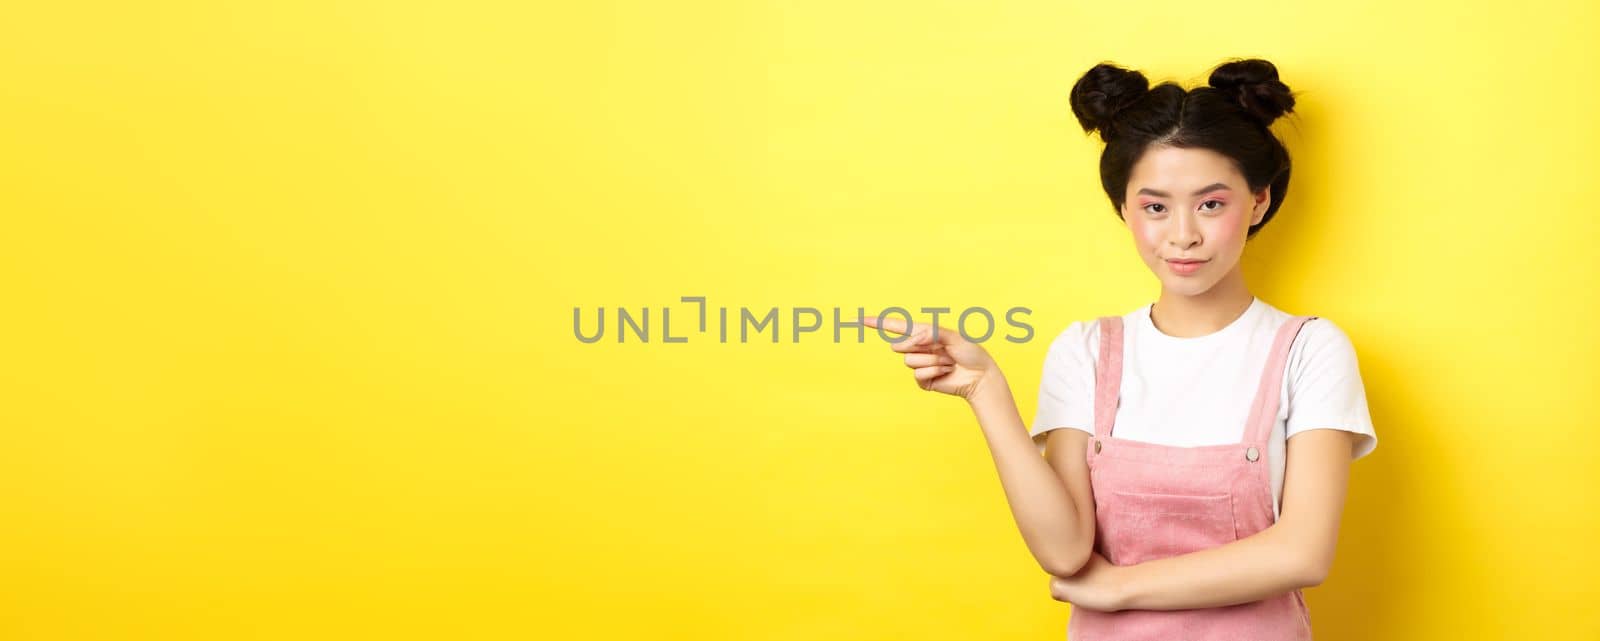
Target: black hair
<point x="1231" y="116"/>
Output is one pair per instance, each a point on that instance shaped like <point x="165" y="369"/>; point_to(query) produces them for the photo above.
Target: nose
<point x="1184" y="232"/>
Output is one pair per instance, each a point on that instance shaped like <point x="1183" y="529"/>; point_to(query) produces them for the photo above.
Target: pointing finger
<point x="916" y="341"/>
<point x="889" y="324"/>
<point x="924" y="332"/>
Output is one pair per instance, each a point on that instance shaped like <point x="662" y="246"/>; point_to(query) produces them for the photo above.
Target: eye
<point x="1218" y="202"/>
<point x="1147" y="207"/>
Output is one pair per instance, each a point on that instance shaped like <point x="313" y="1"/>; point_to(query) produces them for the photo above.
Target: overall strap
<point x="1264" y="409"/>
<point x="1108" y="375"/>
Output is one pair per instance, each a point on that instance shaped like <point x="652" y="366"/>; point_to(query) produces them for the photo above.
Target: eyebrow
<point x="1157" y="192"/>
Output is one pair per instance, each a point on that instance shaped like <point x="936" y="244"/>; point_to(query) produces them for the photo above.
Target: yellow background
<point x="287" y="339"/>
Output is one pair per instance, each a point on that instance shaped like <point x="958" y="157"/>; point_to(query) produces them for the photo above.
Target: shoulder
<point x="1081" y="338"/>
<point x="1077" y="345"/>
<point x="1319" y="337"/>
<point x="1322" y="362"/>
<point x="1076" y="335"/>
<point x="1322" y="341"/>
<point x="1320" y="349"/>
<point x="1324" y="388"/>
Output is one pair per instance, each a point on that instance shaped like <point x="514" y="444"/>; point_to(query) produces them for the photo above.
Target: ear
<point x="1263" y="200"/>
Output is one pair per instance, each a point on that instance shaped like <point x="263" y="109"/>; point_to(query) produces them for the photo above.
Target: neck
<point x="1187" y="316"/>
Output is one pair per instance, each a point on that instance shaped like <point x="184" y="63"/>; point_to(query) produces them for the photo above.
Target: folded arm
<point x="1295" y="552"/>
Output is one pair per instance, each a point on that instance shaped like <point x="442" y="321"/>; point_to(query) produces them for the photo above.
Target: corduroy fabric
<point x="1153" y="501"/>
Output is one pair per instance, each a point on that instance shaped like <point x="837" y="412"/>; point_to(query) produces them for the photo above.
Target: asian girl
<point x="1199" y="483"/>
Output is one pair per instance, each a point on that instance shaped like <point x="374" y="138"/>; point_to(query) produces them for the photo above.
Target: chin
<point x="1187" y="287"/>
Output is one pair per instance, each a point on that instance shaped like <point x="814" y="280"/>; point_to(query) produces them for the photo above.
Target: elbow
<point x="1064" y="567"/>
<point x="1306" y="559"/>
<point x="1067" y="562"/>
<point x="1313" y="572"/>
<point x="1074" y="554"/>
<point x="1314" y="576"/>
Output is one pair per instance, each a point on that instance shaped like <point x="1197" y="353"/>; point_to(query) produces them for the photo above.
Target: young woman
<point x="1200" y="485"/>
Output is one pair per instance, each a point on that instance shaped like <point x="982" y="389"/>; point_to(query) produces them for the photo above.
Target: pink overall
<point x="1153" y="501"/>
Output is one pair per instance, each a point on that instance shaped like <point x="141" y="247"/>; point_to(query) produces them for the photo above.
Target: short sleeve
<point x="1066" y="385"/>
<point x="1325" y="387"/>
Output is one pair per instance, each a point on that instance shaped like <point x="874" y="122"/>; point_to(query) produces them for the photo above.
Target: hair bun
<point x="1254" y="85"/>
<point x="1103" y="91"/>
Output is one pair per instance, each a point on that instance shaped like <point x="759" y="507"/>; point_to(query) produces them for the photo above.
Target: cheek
<point x="1232" y="224"/>
<point x="1146" y="233"/>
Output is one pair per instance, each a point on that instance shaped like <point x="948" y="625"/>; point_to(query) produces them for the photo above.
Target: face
<point x="1177" y="212"/>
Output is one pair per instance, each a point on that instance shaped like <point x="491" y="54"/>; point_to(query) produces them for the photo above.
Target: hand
<point x="949" y="364"/>
<point x="1098" y="586"/>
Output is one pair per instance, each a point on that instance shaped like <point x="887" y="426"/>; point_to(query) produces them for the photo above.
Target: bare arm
<point x="1049" y="497"/>
<point x="1296" y="552"/>
<point x="1054" y="516"/>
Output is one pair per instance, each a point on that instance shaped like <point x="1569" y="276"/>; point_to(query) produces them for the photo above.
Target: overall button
<point x="1252" y="454"/>
<point x="1097" y="446"/>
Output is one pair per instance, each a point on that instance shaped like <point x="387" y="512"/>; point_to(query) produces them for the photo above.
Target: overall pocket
<point x="1135" y="527"/>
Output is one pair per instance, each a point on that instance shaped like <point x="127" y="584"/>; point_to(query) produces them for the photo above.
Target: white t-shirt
<point x="1197" y="391"/>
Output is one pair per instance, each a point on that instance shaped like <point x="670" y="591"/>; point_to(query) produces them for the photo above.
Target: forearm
<point x="1262" y="565"/>
<point x="1039" y="501"/>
